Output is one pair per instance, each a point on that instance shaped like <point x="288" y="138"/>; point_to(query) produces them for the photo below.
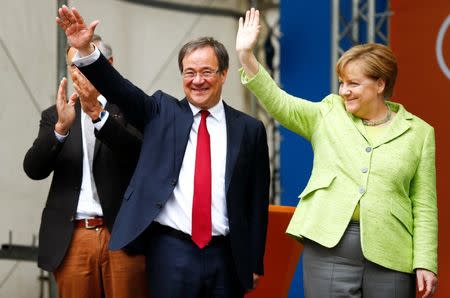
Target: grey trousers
<point x="342" y="271"/>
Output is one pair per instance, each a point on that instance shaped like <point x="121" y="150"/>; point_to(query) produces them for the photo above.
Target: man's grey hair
<point x="102" y="46"/>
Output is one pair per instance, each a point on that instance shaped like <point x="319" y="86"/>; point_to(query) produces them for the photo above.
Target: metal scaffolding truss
<point x="355" y="22"/>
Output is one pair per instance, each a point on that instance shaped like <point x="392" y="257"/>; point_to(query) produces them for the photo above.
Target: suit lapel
<point x="400" y="124"/>
<point x="112" y="110"/>
<point x="183" y="124"/>
<point x="235" y="131"/>
<point x="75" y="131"/>
<point x="75" y="135"/>
<point x="353" y="123"/>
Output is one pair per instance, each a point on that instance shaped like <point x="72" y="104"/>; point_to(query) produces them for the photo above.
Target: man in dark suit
<point x="92" y="164"/>
<point x="199" y="195"/>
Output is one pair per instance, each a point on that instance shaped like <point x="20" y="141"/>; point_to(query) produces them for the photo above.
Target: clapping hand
<point x="88" y="95"/>
<point x="65" y="109"/>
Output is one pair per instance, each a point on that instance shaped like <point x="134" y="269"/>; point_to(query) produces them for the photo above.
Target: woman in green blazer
<point x="368" y="215"/>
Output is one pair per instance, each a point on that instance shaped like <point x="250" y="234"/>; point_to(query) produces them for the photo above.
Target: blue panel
<point x="305" y="72"/>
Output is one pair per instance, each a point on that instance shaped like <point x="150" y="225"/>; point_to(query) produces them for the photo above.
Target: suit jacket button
<point x="159" y="205"/>
<point x="173" y="182"/>
<point x="76" y="188"/>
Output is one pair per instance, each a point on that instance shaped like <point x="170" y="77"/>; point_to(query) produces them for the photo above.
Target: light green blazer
<point x="393" y="179"/>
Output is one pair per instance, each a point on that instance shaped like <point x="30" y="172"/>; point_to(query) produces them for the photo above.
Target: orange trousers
<point x="91" y="270"/>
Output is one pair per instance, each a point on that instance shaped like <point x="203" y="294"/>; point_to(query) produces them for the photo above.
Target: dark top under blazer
<point x="166" y="123"/>
<point x="116" y="152"/>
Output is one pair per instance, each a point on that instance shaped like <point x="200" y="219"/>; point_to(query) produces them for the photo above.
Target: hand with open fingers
<point x="65" y="109"/>
<point x="246" y="39"/>
<point x="78" y="34"/>
<point x="248" y="31"/>
<point x="88" y="95"/>
<point x="426" y="282"/>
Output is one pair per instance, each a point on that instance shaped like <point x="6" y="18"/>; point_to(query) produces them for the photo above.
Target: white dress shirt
<point x="177" y="212"/>
<point x="88" y="206"/>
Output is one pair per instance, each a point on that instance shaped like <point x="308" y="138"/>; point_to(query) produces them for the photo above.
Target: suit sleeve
<point x="296" y="114"/>
<point x="423" y="197"/>
<point x="40" y="159"/>
<point x="124" y="140"/>
<point x="260" y="199"/>
<point x="137" y="106"/>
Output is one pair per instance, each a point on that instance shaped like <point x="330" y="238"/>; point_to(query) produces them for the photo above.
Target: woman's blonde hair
<point x="377" y="61"/>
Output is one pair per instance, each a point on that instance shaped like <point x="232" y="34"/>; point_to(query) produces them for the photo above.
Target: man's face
<point x="202" y="83"/>
<point x="70" y="66"/>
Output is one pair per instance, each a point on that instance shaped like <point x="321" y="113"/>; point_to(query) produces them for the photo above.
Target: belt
<point x="89" y="223"/>
<point x="163" y="229"/>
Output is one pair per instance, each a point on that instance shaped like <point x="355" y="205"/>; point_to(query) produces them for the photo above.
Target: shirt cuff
<point x="61" y="138"/>
<point x="100" y="124"/>
<point x="87" y="60"/>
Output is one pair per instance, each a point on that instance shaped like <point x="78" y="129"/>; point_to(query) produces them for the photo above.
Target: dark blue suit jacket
<point x="166" y="123"/>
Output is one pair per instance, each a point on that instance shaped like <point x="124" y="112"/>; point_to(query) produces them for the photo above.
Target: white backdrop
<point x="145" y="43"/>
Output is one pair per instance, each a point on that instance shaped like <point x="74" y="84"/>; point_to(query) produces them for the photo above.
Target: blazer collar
<point x="112" y="109"/>
<point x="400" y="124"/>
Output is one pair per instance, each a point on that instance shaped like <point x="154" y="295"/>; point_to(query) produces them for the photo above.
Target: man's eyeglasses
<point x="206" y="74"/>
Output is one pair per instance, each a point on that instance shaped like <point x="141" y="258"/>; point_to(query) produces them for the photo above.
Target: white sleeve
<point x="87" y="60"/>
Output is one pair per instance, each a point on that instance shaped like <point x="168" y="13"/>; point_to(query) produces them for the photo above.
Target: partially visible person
<point x="199" y="194"/>
<point x="92" y="152"/>
<point x="368" y="216"/>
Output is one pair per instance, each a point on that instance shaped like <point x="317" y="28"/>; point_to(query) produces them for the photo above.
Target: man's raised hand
<point x="78" y="34"/>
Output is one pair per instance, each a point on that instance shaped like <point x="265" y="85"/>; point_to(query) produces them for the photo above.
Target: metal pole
<point x="371" y="21"/>
<point x="388" y="23"/>
<point x="355" y="21"/>
<point x="61" y="42"/>
<point x="335" y="38"/>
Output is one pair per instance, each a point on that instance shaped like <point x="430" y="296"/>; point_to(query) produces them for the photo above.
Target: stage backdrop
<point x="420" y="38"/>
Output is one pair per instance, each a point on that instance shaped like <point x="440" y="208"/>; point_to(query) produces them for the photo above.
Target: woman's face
<point x="362" y="94"/>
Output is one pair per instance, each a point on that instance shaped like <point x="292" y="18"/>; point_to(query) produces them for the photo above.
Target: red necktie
<point x="201" y="205"/>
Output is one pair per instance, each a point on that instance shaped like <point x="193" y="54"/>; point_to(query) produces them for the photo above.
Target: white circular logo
<point x="439" y="44"/>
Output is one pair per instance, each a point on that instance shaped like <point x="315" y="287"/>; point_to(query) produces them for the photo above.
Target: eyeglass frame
<point x="204" y="74"/>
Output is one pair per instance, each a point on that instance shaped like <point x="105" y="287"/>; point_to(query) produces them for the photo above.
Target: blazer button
<point x="173" y="182"/>
<point x="368" y="149"/>
<point x="159" y="205"/>
<point x="76" y="188"/>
